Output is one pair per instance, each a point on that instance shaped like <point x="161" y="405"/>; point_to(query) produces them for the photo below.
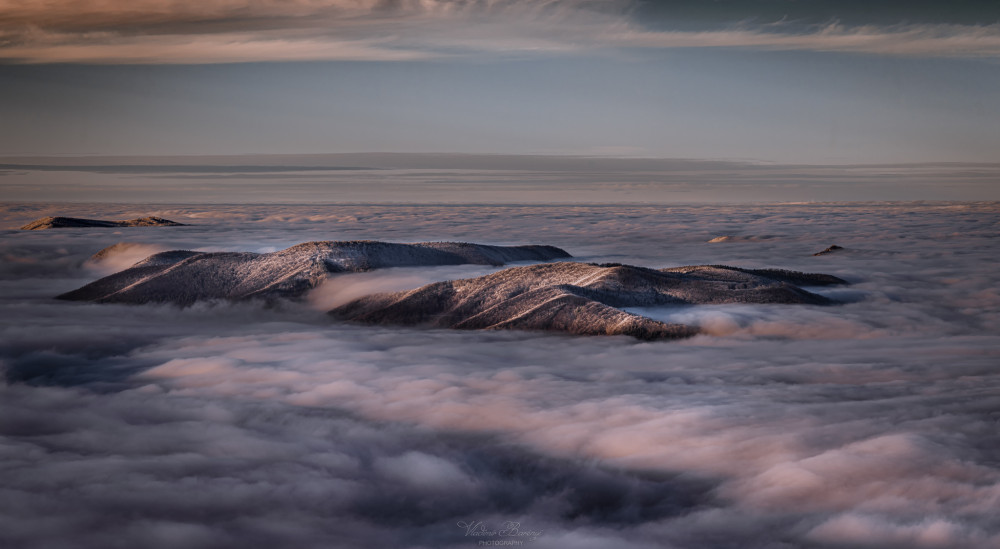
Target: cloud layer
<point x="225" y="31"/>
<point x="871" y="424"/>
<point x="484" y="179"/>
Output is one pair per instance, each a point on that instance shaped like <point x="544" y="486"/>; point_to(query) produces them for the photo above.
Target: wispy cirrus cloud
<point x="904" y="40"/>
<point x="223" y="31"/>
<point x="112" y="48"/>
<point x="227" y="31"/>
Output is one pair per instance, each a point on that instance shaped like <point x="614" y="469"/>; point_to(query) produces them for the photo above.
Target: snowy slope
<point x="581" y="298"/>
<point x="184" y="277"/>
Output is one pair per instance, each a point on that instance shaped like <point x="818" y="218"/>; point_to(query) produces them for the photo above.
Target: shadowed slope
<point x="580" y="298"/>
<point x="184" y="277"/>
<point x="76" y="222"/>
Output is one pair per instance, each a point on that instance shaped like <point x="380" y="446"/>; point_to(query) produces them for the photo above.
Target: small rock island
<point x="80" y="223"/>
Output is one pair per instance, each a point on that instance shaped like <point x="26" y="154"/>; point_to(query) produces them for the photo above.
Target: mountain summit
<point x="183" y="276"/>
<point x="582" y="298"/>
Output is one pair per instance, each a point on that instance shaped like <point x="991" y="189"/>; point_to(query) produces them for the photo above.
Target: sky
<point x="763" y="81"/>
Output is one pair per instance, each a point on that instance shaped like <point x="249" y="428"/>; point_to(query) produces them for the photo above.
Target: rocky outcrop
<point x="581" y="298"/>
<point x="76" y="222"/>
<point x="184" y="277"/>
<point x="742" y="238"/>
<point x="736" y="274"/>
<point x="830" y="250"/>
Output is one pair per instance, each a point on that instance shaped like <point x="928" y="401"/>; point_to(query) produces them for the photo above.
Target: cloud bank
<point x="225" y="31"/>
<point x="481" y="179"/>
<point x="871" y="424"/>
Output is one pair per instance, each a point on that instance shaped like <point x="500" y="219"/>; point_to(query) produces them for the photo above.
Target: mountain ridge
<point x="581" y="298"/>
<point x="184" y="276"/>
<point x="59" y="222"/>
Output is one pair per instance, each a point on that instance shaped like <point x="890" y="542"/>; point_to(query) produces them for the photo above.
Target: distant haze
<point x="472" y="178"/>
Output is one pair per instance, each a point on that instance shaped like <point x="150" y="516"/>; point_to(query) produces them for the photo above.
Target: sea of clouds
<point x="371" y="178"/>
<point x="869" y="424"/>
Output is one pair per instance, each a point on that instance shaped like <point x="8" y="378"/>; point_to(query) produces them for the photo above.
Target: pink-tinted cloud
<point x="226" y="31"/>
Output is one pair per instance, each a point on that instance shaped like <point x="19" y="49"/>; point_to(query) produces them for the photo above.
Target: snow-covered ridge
<point x="183" y="276"/>
<point x="582" y="298"/>
<point x="77" y="222"/>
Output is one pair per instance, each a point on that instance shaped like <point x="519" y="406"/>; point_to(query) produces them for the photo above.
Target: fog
<point x="479" y="179"/>
<point x="872" y="423"/>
